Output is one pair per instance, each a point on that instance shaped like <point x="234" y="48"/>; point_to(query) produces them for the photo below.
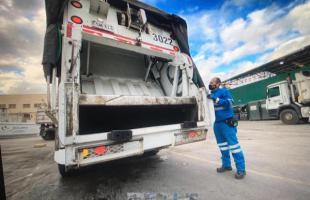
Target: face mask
<point x="212" y="87"/>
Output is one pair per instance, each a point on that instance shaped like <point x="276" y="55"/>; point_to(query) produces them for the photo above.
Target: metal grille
<point x="115" y="148"/>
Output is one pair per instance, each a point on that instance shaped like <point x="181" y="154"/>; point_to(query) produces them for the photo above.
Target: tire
<point x="42" y="130"/>
<point x="150" y="153"/>
<point x="289" y="116"/>
<point x="64" y="171"/>
<point x="48" y="134"/>
<point x="304" y="121"/>
<point x="43" y="136"/>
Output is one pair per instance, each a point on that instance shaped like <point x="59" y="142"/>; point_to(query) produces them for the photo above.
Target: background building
<point x="21" y="107"/>
<point x="251" y="85"/>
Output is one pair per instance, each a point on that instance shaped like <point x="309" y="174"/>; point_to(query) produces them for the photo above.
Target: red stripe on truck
<point x="125" y="39"/>
<point x="92" y="32"/>
<point x="156" y="49"/>
<point x="122" y="40"/>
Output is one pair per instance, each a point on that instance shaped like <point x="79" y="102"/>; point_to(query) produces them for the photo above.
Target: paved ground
<point x="277" y="155"/>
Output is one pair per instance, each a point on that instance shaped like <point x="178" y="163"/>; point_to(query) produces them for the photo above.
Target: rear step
<point x="189" y="124"/>
<point x="120" y="135"/>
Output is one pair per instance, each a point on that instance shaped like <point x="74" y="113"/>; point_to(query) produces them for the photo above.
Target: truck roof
<point x="155" y="16"/>
<point x="54" y="9"/>
<point x="277" y="83"/>
<point x="122" y="3"/>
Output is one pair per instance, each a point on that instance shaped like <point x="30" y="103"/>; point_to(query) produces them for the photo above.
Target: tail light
<point x="85" y="153"/>
<point x="76" y="4"/>
<point x="176" y="48"/>
<point x="76" y="19"/>
<point x="192" y="134"/>
<point x="100" y="150"/>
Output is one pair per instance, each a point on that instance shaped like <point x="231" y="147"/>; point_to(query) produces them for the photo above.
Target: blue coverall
<point x="226" y="135"/>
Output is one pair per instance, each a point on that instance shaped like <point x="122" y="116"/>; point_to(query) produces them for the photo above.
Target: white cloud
<point x="201" y="25"/>
<point x="29" y="80"/>
<point x="21" y="51"/>
<point x="261" y="30"/>
<point x="282" y="50"/>
<point x="270" y="32"/>
<point x="288" y="47"/>
<point x="300" y="18"/>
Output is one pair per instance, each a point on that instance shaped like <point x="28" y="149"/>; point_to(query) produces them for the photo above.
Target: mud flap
<point x="120" y="135"/>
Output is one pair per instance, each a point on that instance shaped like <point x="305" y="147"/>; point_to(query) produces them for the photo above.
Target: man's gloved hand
<point x="211" y="96"/>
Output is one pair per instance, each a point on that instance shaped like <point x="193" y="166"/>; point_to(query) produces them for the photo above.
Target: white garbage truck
<point x="120" y="81"/>
<point x="289" y="100"/>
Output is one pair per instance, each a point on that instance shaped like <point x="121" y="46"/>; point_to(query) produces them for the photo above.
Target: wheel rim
<point x="288" y="116"/>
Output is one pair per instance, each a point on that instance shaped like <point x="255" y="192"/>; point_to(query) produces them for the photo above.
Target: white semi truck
<point x="289" y="100"/>
<point x="121" y="81"/>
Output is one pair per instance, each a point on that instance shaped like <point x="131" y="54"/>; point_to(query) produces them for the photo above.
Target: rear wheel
<point x="304" y="121"/>
<point x="64" y="171"/>
<point x="289" y="116"/>
<point x="48" y="134"/>
<point x="151" y="153"/>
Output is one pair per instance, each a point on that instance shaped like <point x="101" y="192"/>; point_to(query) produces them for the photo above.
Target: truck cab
<point x="278" y="95"/>
<point x="288" y="100"/>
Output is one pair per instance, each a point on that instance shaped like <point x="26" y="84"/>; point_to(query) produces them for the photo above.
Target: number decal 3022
<point x="162" y="39"/>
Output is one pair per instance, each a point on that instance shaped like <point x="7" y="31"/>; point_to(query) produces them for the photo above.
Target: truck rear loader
<point x="120" y="81"/>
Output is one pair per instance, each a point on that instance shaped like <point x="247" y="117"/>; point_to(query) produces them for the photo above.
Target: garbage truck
<point x="120" y="81"/>
<point x="289" y="100"/>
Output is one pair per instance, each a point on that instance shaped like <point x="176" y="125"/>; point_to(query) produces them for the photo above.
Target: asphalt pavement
<point x="277" y="161"/>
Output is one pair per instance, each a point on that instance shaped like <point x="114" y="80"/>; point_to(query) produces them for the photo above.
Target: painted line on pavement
<point x="248" y="170"/>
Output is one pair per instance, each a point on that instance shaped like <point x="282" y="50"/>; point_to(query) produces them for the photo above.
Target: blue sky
<point x="226" y="37"/>
<point x="229" y="37"/>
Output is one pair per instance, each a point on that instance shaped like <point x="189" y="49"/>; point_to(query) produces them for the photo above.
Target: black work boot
<point x="240" y="175"/>
<point x="223" y="169"/>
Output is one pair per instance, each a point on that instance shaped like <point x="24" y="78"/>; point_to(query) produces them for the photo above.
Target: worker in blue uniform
<point x="225" y="129"/>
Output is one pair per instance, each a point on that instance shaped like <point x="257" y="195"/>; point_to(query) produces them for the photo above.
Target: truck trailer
<point x="120" y="81"/>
